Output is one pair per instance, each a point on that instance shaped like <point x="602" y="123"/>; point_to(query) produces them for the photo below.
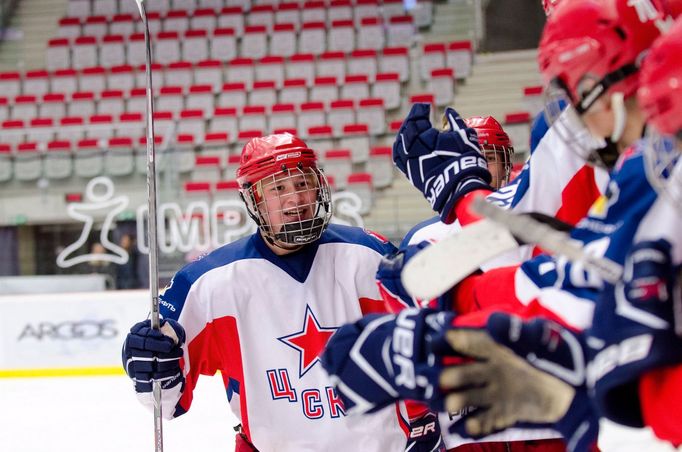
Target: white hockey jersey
<point x="262" y="320"/>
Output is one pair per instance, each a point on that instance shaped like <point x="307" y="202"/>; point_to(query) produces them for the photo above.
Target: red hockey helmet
<point x="672" y="8"/>
<point x="660" y="92"/>
<point x="600" y="39"/>
<point x="285" y="193"/>
<point x="548" y="6"/>
<point x="660" y="97"/>
<point x="495" y="143"/>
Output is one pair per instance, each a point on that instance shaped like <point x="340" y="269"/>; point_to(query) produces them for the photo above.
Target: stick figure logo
<point x="99" y="194"/>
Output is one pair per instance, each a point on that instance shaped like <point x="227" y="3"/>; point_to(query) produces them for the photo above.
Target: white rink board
<point x="67" y="330"/>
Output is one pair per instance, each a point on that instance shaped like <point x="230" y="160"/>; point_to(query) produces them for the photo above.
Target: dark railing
<point x="7" y="8"/>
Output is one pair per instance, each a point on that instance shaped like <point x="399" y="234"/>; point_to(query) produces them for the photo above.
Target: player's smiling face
<point x="289" y="197"/>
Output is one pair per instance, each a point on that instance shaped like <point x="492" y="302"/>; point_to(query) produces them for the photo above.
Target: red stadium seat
<point x="112" y="51"/>
<point x="270" y="68"/>
<point x="442" y="82"/>
<point x="232" y="95"/>
<point x="53" y="105"/>
<point x="371" y="111"/>
<point x="356" y="138"/>
<point x="209" y="72"/>
<point x="253" y="117"/>
<point x="363" y="62"/>
<point x="324" y="90"/>
<point x="261" y="15"/>
<point x="195" y="46"/>
<point x="380" y="166"/>
<point x="282" y="116"/>
<point x="311" y="114"/>
<point x="314" y="11"/>
<point x="460" y="58"/>
<point x="362" y="185"/>
<point x="371" y="33"/>
<point x="396" y="59"/>
<point x="223" y="45"/>
<point x="36" y="83"/>
<point x="301" y="65"/>
<point x="312" y="38"/>
<point x="341" y="34"/>
<point x="341" y="112"/>
<point x="58" y="160"/>
<point x="254" y="42"/>
<point x="119" y="158"/>
<point x="355" y="87"/>
<point x="263" y="93"/>
<point x="337" y="163"/>
<point x="387" y="87"/>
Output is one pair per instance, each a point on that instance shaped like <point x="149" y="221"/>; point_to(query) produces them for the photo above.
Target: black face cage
<point x="292" y="207"/>
<point x="563" y="112"/>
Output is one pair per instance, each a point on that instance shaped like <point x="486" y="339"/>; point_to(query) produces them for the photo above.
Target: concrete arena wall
<point x="68" y="333"/>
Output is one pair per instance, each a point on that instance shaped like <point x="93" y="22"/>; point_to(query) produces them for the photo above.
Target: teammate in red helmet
<point x="496" y="147"/>
<point x="260" y="310"/>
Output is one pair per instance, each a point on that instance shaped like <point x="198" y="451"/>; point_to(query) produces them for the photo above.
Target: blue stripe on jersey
<point x="538" y="130"/>
<point x="608" y="229"/>
<point x="297" y="264"/>
<point x="419" y="226"/>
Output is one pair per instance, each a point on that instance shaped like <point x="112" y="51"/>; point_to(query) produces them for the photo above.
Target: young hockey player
<point x="261" y="309"/>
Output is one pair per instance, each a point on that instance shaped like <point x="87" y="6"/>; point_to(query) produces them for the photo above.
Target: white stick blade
<point x="442" y="265"/>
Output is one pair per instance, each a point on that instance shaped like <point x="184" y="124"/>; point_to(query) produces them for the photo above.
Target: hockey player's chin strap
<point x="603" y="86"/>
<point x="300" y="232"/>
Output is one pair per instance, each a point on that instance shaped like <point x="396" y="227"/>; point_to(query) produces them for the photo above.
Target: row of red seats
<point x="215" y="72"/>
<point x="259" y="13"/>
<point x="224" y="44"/>
<point x="196" y="121"/>
<point x="228" y="17"/>
<point x="120" y="158"/>
<point x="177" y="98"/>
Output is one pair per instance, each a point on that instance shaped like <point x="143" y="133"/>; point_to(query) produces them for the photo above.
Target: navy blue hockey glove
<point x="388" y="277"/>
<point x="384" y="358"/>
<point x="526" y="374"/>
<point x="443" y="165"/>
<point x="635" y="330"/>
<point x="425" y="435"/>
<point x="154" y="355"/>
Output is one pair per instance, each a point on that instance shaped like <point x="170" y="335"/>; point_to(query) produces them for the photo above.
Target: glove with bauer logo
<point x="443" y="165"/>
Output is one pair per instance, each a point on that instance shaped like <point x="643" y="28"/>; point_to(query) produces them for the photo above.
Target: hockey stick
<point x="440" y="266"/>
<point x="151" y="222"/>
<point x="529" y="230"/>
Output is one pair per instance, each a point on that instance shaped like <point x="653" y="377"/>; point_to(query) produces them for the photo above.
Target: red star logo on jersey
<point x="308" y="342"/>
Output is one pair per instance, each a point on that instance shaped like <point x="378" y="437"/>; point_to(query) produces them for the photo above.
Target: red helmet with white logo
<point x="600" y="39"/>
<point x="495" y="143"/>
<point x="548" y="6"/>
<point x="266" y="155"/>
<point x="285" y="192"/>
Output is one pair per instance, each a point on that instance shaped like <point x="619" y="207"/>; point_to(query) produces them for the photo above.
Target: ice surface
<point x="101" y="414"/>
